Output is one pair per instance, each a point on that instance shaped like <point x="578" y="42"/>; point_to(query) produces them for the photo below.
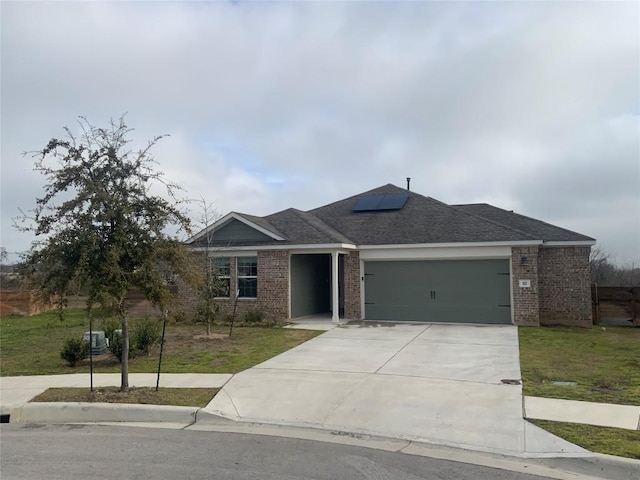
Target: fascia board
<point x="583" y="243"/>
<point x="405" y="246"/>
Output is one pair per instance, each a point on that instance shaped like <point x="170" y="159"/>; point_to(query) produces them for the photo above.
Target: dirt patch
<point x="192" y="397"/>
<point x="212" y="336"/>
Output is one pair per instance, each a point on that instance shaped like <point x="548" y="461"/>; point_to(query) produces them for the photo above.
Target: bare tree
<point x="605" y="272"/>
<point x="212" y="285"/>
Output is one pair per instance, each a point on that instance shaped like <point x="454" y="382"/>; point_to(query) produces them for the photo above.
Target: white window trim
<point x="212" y="265"/>
<point x="238" y="277"/>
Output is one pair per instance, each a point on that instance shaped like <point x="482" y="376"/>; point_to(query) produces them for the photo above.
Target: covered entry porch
<point x="317" y="285"/>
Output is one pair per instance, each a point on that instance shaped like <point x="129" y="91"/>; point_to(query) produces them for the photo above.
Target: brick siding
<point x="560" y="290"/>
<point x="273" y="289"/>
<point x="524" y="266"/>
<point x="352" y="285"/>
<point x="273" y="283"/>
<point x="565" y="291"/>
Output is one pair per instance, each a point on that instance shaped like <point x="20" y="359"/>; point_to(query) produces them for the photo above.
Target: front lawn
<point x="31" y="346"/>
<point x="604" y="363"/>
<point x="612" y="441"/>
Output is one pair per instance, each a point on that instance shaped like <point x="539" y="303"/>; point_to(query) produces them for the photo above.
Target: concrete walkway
<point x="16" y="391"/>
<point x="590" y="413"/>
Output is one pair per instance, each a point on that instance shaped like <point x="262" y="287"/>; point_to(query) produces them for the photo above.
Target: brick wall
<point x="273" y="289"/>
<point x="524" y="266"/>
<point x="565" y="291"/>
<point x="352" y="285"/>
<point x="273" y="283"/>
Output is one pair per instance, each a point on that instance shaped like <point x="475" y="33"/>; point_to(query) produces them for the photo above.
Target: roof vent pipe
<point x="408" y="182"/>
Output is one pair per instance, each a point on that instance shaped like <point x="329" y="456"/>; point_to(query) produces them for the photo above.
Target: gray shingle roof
<point x="300" y="227"/>
<point x="421" y="220"/>
<point x="535" y="228"/>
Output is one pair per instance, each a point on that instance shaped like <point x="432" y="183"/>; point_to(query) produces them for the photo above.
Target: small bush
<point x="227" y="318"/>
<point x="74" y="350"/>
<point x="109" y="325"/>
<point x="115" y="346"/>
<point x="253" y="317"/>
<point x="145" y="333"/>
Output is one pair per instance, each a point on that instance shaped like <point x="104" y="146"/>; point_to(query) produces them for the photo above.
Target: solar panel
<point x="393" y="202"/>
<point x="376" y="203"/>
<point x="368" y="203"/>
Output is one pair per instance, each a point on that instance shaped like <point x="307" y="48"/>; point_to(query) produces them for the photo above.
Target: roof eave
<point x="305" y="246"/>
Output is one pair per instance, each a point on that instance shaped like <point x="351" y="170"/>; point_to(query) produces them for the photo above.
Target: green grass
<point x="605" y="363"/>
<point x="612" y="441"/>
<point x="188" y="397"/>
<point x="31" y="346"/>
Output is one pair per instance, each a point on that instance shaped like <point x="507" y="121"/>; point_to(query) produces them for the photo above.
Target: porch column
<point x="335" y="302"/>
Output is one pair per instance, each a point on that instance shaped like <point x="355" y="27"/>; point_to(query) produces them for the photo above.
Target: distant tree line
<point x="604" y="272"/>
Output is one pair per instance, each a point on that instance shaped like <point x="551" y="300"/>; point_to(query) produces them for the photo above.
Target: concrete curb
<point x="80" y="412"/>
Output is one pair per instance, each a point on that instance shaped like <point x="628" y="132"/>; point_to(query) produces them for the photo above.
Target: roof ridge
<point x="368" y="192"/>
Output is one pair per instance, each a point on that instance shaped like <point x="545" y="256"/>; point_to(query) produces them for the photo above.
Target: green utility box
<point x="98" y="342"/>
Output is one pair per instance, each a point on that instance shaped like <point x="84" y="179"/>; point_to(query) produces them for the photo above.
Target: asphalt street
<point x="107" y="452"/>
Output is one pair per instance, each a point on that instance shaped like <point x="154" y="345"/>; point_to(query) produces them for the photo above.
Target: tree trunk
<point x="124" y="385"/>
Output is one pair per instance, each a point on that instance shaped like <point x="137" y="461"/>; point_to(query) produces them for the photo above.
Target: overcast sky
<point x="532" y="107"/>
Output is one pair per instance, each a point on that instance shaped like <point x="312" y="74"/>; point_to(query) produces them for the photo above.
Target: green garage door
<point x="464" y="291"/>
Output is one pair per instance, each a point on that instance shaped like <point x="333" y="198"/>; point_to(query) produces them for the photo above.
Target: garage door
<point x="463" y="291"/>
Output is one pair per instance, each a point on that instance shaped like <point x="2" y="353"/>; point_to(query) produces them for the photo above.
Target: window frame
<point x="219" y="273"/>
<point x="239" y="277"/>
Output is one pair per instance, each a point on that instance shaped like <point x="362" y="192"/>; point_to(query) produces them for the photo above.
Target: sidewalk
<point x="590" y="413"/>
<point x="15" y="392"/>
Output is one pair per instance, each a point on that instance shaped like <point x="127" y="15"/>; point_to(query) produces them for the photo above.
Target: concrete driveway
<point x="431" y="383"/>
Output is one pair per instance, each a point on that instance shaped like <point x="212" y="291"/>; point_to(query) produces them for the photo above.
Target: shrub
<point x="74" y="350"/>
<point x="253" y="316"/>
<point x="109" y="325"/>
<point x="145" y="333"/>
<point x="115" y="346"/>
<point x="179" y="316"/>
<point x="227" y="318"/>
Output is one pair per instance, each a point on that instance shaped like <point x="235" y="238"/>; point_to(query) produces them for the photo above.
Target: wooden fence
<point x="616" y="303"/>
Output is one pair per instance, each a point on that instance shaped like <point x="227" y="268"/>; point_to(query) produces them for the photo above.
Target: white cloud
<point x="530" y="106"/>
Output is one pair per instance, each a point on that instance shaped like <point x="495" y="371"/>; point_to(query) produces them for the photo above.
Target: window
<point x="221" y="268"/>
<point x="248" y="277"/>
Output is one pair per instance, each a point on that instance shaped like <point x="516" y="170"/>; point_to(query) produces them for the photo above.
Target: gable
<point x="233" y="232"/>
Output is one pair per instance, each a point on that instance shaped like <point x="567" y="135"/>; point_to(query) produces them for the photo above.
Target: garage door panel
<point x="467" y="291"/>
